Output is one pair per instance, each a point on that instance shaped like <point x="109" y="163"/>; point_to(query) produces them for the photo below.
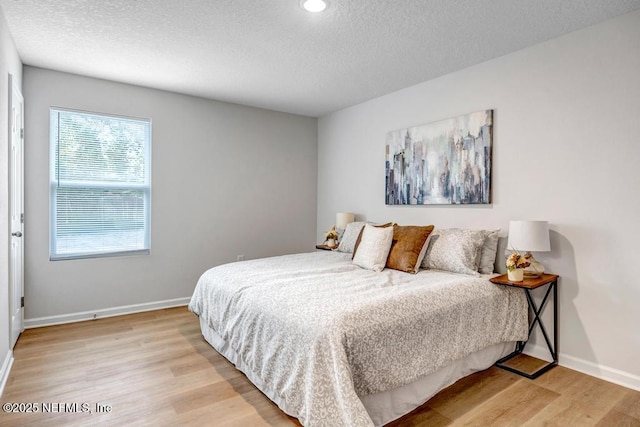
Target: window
<point x="100" y="185"/>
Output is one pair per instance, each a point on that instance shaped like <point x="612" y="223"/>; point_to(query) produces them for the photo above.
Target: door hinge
<point x="22" y="302"/>
<point x="22" y="133"/>
<point x="21" y="218"/>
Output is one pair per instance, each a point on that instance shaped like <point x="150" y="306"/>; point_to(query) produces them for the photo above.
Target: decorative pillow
<point x="349" y="237"/>
<point x="488" y="252"/>
<point x="456" y="250"/>
<point x="355" y="247"/>
<point x="409" y="247"/>
<point x="374" y="247"/>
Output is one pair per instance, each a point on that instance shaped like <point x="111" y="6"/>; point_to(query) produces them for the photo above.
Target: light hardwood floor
<point x="155" y="369"/>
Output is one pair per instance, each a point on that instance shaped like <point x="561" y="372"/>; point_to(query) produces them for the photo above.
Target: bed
<point x="333" y="344"/>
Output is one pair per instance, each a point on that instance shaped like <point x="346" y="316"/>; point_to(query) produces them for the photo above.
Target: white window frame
<point x="54" y="184"/>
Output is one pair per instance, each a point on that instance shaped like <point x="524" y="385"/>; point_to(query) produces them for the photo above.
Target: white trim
<point x="616" y="376"/>
<point x="104" y="312"/>
<point x="606" y="373"/>
<point x="4" y="371"/>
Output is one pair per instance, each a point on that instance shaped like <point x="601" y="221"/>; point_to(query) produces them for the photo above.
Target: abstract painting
<point x="444" y="162"/>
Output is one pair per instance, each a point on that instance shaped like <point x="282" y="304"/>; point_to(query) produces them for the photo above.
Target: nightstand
<point x="550" y="280"/>
<point x="325" y="247"/>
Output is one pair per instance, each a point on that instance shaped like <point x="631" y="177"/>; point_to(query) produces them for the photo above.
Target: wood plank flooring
<point x="155" y="369"/>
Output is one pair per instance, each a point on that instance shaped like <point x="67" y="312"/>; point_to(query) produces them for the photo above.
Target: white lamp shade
<point x="344" y="218"/>
<point x="529" y="236"/>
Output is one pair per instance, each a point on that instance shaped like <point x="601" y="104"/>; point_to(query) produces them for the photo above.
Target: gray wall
<point x="227" y="180"/>
<point x="9" y="64"/>
<point x="566" y="150"/>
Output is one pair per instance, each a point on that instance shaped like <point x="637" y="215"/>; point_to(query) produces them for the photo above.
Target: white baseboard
<point x="612" y="375"/>
<point x="105" y="312"/>
<point x="5" y="369"/>
<point x="606" y="373"/>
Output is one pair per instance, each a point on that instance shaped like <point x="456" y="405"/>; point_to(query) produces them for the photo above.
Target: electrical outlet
<point x="240" y="258"/>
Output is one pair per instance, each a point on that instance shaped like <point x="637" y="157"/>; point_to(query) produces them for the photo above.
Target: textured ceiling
<point x="273" y="54"/>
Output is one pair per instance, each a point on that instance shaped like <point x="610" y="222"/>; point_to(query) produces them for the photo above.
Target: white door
<point x="16" y="196"/>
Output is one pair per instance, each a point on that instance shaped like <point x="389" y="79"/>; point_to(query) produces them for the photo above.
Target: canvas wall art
<point x="444" y="162"/>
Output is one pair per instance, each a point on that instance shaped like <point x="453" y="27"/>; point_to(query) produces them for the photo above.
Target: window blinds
<point x="100" y="185"/>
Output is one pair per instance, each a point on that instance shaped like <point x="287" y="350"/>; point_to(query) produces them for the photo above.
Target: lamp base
<point x="535" y="270"/>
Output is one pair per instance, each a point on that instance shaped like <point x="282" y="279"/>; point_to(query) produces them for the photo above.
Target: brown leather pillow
<point x="408" y="247"/>
<point x="355" y="247"/>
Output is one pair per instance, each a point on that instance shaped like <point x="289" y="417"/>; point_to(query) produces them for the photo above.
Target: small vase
<point x="516" y="275"/>
<point x="331" y="242"/>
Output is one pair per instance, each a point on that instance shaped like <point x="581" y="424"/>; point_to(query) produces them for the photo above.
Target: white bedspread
<point x="314" y="331"/>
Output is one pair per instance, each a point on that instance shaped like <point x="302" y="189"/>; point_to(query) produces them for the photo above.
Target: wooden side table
<point x="550" y="280"/>
<point x="325" y="247"/>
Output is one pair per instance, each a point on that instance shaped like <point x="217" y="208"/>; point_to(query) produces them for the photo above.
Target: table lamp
<point x="530" y="236"/>
<point x="344" y="218"/>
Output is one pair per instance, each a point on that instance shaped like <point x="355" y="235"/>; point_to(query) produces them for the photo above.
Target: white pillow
<point x="374" y="247"/>
<point x="349" y="237"/>
<point x="456" y="250"/>
<point x="488" y="252"/>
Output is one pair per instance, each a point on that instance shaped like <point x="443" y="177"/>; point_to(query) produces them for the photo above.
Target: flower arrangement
<point x="516" y="260"/>
<point x="332" y="234"/>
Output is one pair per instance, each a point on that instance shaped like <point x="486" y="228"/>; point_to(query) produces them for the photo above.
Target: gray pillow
<point x="488" y="252"/>
<point x="349" y="237"/>
<point x="456" y="250"/>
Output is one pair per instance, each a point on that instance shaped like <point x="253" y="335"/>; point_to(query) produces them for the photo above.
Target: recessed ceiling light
<point x="314" y="5"/>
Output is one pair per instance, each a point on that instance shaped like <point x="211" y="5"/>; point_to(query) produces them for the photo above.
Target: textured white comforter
<point x="313" y="331"/>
